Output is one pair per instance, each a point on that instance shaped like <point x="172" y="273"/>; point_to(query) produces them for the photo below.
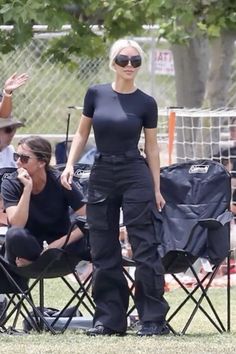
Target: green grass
<point x="200" y="338"/>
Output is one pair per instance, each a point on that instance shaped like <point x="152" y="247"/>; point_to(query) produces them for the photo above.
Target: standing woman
<point x="121" y="178"/>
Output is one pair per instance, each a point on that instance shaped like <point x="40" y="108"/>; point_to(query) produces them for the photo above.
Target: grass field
<point x="201" y="337"/>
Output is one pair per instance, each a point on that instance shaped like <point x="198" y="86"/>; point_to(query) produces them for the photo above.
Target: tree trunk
<point x="221" y="57"/>
<point x="221" y="54"/>
<point x="191" y="68"/>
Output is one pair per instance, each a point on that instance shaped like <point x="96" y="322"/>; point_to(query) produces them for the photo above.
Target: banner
<point x="163" y="63"/>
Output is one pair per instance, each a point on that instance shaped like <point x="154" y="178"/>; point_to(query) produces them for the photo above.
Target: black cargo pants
<point x="124" y="182"/>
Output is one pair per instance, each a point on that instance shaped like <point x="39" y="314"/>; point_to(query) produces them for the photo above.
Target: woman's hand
<point x="25" y="178"/>
<point x="15" y="81"/>
<point x="22" y="262"/>
<point x="67" y="177"/>
<point x="160" y="201"/>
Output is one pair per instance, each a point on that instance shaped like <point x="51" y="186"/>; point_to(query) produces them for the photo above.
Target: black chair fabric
<point x="195" y="191"/>
<point x="81" y="176"/>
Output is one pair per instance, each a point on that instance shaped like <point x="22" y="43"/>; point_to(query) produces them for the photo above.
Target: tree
<point x="202" y="34"/>
<point x="186" y="24"/>
<point x="117" y="18"/>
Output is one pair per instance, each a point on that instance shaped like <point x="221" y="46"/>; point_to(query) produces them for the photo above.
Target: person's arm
<point x="75" y="235"/>
<point x="11" y="84"/>
<point x="151" y="149"/>
<point x="18" y="215"/>
<point x="77" y="146"/>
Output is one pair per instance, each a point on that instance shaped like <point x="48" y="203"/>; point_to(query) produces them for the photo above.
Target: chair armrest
<point x="71" y="228"/>
<point x="80" y="222"/>
<point x="220" y="221"/>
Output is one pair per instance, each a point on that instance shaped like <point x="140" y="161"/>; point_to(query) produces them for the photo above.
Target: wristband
<point x="6" y="94"/>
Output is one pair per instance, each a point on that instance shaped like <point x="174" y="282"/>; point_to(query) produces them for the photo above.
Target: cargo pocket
<point x="139" y="211"/>
<point x="97" y="211"/>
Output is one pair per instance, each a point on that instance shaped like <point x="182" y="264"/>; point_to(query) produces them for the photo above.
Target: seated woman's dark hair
<point x="41" y="147"/>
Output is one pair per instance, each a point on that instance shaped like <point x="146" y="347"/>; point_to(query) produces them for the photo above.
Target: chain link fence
<point x="43" y="103"/>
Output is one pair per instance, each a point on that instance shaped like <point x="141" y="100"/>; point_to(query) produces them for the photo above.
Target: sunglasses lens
<point x="122" y="60"/>
<point x="23" y="158"/>
<point x="136" y="61"/>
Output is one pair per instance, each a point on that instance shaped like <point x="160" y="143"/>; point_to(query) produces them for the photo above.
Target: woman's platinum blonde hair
<point x="121" y="44"/>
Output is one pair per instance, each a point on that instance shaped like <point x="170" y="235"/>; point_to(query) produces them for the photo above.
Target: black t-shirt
<point x="118" y="118"/>
<point x="49" y="210"/>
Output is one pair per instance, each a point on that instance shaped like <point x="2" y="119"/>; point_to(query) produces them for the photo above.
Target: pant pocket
<point x="97" y="215"/>
<point x="137" y="213"/>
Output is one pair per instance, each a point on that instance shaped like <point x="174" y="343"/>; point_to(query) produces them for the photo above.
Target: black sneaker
<point x="153" y="329"/>
<point x="100" y="330"/>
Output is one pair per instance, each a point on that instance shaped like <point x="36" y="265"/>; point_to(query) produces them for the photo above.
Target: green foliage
<point x="177" y="20"/>
<point x="68" y="48"/>
<point x="217" y="15"/>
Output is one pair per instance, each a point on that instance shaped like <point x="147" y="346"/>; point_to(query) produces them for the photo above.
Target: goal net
<point x="190" y="134"/>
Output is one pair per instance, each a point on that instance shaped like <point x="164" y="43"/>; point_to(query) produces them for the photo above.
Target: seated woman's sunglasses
<point x="23" y="158"/>
<point x="123" y="60"/>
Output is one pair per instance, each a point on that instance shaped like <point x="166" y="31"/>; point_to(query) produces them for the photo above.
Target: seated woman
<point x="38" y="206"/>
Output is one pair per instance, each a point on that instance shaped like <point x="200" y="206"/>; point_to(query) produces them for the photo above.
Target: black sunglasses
<point x="23" y="158"/>
<point x="9" y="130"/>
<point x="123" y="60"/>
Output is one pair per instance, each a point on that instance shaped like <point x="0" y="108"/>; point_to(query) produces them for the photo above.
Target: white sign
<point x="163" y="63"/>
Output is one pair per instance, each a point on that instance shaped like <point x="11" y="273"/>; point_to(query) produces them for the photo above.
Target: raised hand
<point x="15" y="81"/>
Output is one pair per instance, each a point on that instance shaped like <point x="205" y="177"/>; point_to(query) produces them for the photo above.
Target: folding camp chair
<point x="81" y="176"/>
<point x="196" y="225"/>
<point x="18" y="284"/>
<point x="53" y="263"/>
<point x="4" y="172"/>
<point x="193" y="225"/>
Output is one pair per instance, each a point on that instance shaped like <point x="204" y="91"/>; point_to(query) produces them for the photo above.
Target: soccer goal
<point x="202" y="134"/>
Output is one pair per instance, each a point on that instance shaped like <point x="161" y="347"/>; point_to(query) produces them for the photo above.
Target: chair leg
<point x="228" y="293"/>
<point x="41" y="300"/>
<point x="126" y="273"/>
<point x="190" y="295"/>
<point x="84" y="287"/>
<point x="24" y="296"/>
<point x="205" y="295"/>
